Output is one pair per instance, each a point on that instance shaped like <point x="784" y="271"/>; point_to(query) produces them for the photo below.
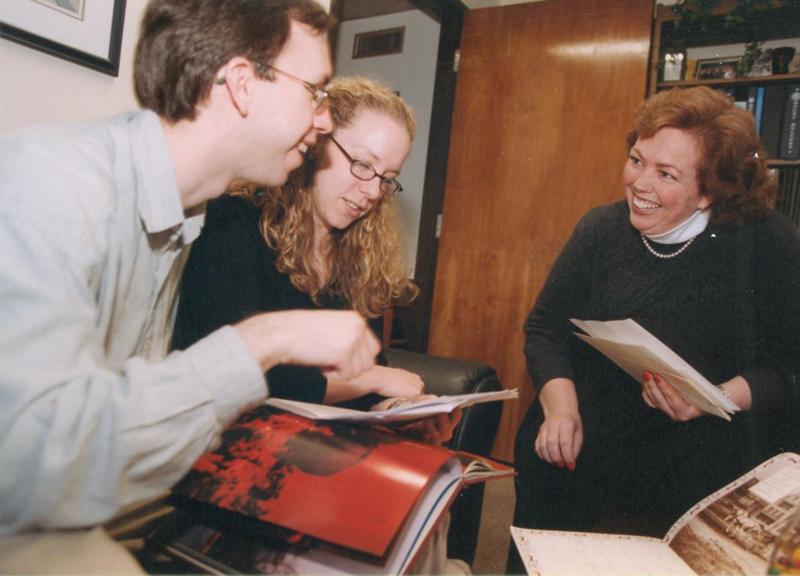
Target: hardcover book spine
<point x="774" y="99"/>
<point x="759" y="109"/>
<point x="790" y="132"/>
<point x="751" y="99"/>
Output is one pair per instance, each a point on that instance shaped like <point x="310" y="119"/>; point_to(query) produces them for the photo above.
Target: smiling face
<point x="661" y="181"/>
<point x="339" y="198"/>
<point x="283" y="118"/>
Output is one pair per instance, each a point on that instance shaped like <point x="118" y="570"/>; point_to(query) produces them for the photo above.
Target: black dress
<point x="231" y="275"/>
<point x="729" y="305"/>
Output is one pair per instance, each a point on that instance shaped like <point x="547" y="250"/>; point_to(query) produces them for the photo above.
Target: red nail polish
<point x="571" y="466"/>
<point x="647" y="375"/>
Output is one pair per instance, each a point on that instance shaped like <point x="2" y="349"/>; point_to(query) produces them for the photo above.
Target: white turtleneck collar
<point x="684" y="231"/>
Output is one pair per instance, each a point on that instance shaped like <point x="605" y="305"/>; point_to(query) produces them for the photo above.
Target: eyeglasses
<point x="366" y="172"/>
<point x="319" y="95"/>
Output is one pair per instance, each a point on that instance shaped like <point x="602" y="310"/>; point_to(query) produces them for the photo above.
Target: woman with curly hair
<point x="696" y="255"/>
<point x="327" y="239"/>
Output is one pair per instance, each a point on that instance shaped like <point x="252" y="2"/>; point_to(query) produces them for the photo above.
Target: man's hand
<point x="337" y="341"/>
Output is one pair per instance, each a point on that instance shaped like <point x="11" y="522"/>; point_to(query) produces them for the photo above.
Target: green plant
<point x="748" y="21"/>
<point x="752" y="50"/>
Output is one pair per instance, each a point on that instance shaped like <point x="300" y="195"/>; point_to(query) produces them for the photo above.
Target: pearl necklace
<point x="659" y="254"/>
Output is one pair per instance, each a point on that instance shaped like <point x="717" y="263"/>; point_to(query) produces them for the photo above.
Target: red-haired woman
<point x="694" y="254"/>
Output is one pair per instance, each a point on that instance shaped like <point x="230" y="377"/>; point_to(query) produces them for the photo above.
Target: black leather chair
<point x="475" y="433"/>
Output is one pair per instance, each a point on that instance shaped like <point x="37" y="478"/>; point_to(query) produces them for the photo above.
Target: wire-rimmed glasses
<point x="318" y="94"/>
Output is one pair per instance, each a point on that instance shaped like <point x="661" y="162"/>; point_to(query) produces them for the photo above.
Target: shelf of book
<point x="748" y="81"/>
<point x="778" y="163"/>
<point x="686" y="45"/>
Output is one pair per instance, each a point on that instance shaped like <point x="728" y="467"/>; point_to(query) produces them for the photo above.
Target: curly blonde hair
<point x="367" y="269"/>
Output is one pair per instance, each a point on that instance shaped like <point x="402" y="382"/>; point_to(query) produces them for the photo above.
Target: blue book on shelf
<point x="758" y="112"/>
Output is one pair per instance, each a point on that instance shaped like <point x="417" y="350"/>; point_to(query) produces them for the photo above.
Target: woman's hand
<point x="560" y="436"/>
<point x="381" y="380"/>
<point x="395" y="382"/>
<point x="435" y="430"/>
<point x="659" y="394"/>
<point x="439" y="428"/>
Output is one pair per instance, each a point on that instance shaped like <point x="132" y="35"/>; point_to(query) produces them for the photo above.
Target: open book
<point x="314" y="497"/>
<point x="402" y="413"/>
<point x="635" y="350"/>
<point x="730" y="532"/>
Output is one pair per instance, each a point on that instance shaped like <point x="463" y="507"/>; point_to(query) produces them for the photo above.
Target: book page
<point x="425" y="516"/>
<point x="231" y="551"/>
<point x="403" y="413"/>
<point x="554" y="553"/>
<point x="733" y="530"/>
<point x="348" y="485"/>
<point x="479" y="469"/>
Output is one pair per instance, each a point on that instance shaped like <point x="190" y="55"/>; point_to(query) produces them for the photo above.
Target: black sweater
<point x="729" y="305"/>
<point x="231" y="275"/>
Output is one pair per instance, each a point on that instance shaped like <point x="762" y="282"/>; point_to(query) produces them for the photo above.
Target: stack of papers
<point x="635" y="350"/>
<point x="403" y="413"/>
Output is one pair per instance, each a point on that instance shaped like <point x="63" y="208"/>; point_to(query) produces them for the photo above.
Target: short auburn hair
<point x="183" y="43"/>
<point x="733" y="171"/>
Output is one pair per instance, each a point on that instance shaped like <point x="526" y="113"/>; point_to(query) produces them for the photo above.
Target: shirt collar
<point x="684" y="231"/>
<point x="159" y="199"/>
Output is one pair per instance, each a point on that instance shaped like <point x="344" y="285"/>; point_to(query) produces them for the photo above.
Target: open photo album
<point x="283" y="493"/>
<point x="731" y="532"/>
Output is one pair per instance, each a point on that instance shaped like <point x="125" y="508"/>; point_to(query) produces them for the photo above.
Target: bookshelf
<point x="714" y="37"/>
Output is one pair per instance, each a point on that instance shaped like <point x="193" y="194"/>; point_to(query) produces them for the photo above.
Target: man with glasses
<point x="96" y="225"/>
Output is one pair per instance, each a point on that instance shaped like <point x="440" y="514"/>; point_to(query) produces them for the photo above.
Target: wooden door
<point x="546" y="92"/>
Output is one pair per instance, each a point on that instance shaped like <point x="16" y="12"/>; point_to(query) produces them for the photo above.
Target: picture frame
<point x="673" y="67"/>
<point x="86" y="32"/>
<point x="717" y="68"/>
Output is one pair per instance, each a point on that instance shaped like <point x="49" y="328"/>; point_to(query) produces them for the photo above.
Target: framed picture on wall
<point x="87" y="32"/>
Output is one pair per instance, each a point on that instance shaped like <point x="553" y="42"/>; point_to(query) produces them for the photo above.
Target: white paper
<point x="554" y="553"/>
<point x="635" y="350"/>
<point x="406" y="412"/>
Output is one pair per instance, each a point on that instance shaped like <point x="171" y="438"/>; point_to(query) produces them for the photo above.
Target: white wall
<point x="39" y="88"/>
<point x="412" y="74"/>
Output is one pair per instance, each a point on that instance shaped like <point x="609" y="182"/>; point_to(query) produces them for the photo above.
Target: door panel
<point x="546" y="92"/>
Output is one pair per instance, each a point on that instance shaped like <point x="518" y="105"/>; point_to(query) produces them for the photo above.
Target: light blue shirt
<point x="94" y="415"/>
